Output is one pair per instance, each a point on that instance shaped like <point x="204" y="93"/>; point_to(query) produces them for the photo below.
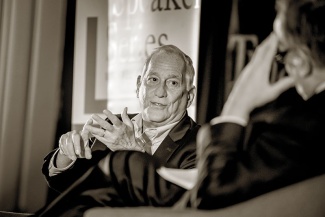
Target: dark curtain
<point x="64" y="121"/>
<point x="215" y="17"/>
<point x="255" y="17"/>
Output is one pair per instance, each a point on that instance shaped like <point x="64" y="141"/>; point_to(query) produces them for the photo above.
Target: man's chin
<point x="155" y="116"/>
<point x="156" y="119"/>
<point x="305" y="95"/>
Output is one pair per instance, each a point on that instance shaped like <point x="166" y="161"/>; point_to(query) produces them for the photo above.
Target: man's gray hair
<point x="189" y="69"/>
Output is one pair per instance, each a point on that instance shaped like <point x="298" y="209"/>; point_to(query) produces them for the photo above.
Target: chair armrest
<point x="302" y="199"/>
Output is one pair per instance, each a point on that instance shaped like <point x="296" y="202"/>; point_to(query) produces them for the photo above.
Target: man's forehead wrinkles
<point x="165" y="74"/>
<point x="156" y="66"/>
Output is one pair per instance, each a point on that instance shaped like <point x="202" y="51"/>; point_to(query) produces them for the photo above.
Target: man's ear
<point x="190" y="96"/>
<point x="138" y="85"/>
<point x="303" y="69"/>
<point x="300" y="64"/>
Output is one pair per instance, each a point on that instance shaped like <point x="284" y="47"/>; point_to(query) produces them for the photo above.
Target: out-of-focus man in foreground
<point x="269" y="135"/>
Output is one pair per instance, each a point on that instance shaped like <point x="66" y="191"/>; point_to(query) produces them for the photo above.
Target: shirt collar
<point x="151" y="132"/>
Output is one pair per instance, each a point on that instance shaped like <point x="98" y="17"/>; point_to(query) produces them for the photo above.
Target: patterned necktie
<point x="145" y="142"/>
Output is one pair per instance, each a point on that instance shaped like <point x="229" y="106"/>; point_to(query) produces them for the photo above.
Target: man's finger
<point x="86" y="148"/>
<point x="125" y="118"/>
<point x="76" y="142"/>
<point x="70" y="148"/>
<point x="85" y="137"/>
<point x="85" y="133"/>
<point x="103" y="123"/>
<point x="271" y="48"/>
<point x="266" y="50"/>
<point x="112" y="118"/>
<point x="87" y="152"/>
<point x="62" y="141"/>
<point x="89" y="122"/>
<point x="283" y="85"/>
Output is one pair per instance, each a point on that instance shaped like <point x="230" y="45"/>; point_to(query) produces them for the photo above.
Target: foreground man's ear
<point x="298" y="64"/>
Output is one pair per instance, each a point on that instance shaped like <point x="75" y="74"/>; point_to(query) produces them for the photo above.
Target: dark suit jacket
<point x="282" y="144"/>
<point x="133" y="180"/>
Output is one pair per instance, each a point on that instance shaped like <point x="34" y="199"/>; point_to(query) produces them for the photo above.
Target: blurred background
<point x="63" y="60"/>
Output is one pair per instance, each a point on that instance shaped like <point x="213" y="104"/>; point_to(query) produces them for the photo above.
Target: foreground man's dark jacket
<point x="282" y="144"/>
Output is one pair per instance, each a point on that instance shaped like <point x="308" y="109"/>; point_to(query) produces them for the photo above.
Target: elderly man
<point x="124" y="172"/>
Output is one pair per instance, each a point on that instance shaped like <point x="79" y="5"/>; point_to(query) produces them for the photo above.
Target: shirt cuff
<point x="54" y="170"/>
<point x="231" y="119"/>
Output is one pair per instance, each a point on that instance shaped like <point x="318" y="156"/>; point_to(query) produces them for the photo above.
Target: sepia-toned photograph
<point x="164" y="108"/>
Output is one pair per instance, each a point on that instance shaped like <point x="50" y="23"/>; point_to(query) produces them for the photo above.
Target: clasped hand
<point x="119" y="135"/>
<point x="75" y="145"/>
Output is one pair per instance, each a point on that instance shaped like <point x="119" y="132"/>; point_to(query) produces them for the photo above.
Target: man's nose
<point x="161" y="90"/>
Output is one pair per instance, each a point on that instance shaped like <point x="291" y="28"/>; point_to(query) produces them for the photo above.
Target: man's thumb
<point x="125" y="118"/>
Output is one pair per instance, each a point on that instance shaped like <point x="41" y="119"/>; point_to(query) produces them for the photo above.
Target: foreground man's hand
<point x="253" y="88"/>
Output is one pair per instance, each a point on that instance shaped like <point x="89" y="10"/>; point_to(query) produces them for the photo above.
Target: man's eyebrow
<point x="174" y="76"/>
<point x="151" y="73"/>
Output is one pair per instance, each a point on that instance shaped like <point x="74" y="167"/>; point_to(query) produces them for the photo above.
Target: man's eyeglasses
<point x="280" y="57"/>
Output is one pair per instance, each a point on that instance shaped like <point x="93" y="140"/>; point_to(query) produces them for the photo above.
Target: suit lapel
<point x="165" y="150"/>
<point x="172" y="140"/>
